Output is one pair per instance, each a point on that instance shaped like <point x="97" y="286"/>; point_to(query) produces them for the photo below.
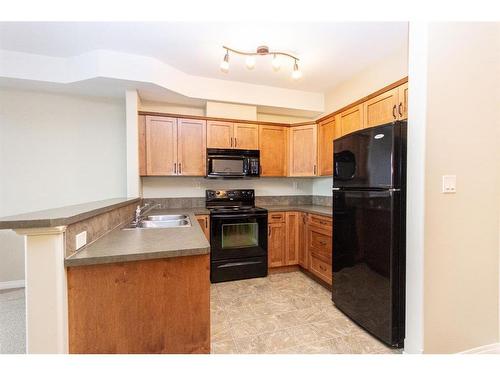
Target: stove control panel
<point x="237" y="196"/>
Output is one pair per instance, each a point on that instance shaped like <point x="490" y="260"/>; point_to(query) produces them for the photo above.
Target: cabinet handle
<point x="175" y="168"/>
<point x="322" y="243"/>
<point x="322" y="223"/>
<point x="269" y="231"/>
<point x="235" y="142"/>
<point x="276" y="216"/>
<point x="314" y="169"/>
<point x="400" y="109"/>
<point x="231" y="141"/>
<point x="180" y="170"/>
<point x="206" y="223"/>
<point x="394" y="111"/>
<point x="322" y="268"/>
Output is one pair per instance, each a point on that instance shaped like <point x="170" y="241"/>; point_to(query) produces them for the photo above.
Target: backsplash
<point x="265" y="200"/>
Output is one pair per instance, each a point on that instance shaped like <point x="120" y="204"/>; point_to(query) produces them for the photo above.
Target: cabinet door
<point x="303" y="252"/>
<point x="303" y="143"/>
<point x="292" y="238"/>
<point x="326" y="135"/>
<point x="403" y="101"/>
<point x="161" y="146"/>
<point x="219" y="134"/>
<point x="381" y="109"/>
<point x="246" y="136"/>
<point x="204" y="222"/>
<point x="351" y="119"/>
<point x="273" y="143"/>
<point x="142" y="145"/>
<point x="276" y="244"/>
<point x="191" y="147"/>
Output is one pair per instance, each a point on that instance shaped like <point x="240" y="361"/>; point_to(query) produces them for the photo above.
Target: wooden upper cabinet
<point x="273" y="150"/>
<point x="142" y="145"/>
<point x="161" y="145"/>
<point x="403" y="101"/>
<point x="191" y="147"/>
<point x="292" y="238"/>
<point x="326" y="135"/>
<point x="303" y="150"/>
<point x="381" y="109"/>
<point x="351" y="119"/>
<point x="246" y="136"/>
<point x="219" y="134"/>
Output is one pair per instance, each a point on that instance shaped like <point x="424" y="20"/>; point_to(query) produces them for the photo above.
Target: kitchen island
<point x="126" y="291"/>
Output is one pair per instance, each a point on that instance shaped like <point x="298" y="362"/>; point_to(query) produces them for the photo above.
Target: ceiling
<point x="329" y="52"/>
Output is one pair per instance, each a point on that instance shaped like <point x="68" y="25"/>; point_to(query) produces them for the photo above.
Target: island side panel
<point x="150" y="306"/>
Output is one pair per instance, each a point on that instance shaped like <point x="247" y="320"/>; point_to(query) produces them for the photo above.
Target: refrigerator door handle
<point x="393" y="190"/>
<point x="336" y="188"/>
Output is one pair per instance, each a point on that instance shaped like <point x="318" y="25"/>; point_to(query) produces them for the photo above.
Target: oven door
<point x="237" y="236"/>
<point x="227" y="166"/>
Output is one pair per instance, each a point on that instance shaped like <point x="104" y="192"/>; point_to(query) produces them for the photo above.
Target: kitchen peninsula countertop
<point x="63" y="215"/>
<point x="142" y="244"/>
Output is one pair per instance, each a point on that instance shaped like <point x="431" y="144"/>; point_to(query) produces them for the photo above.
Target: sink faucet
<point x="139" y="211"/>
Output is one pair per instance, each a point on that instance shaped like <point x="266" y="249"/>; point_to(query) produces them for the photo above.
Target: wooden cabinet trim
<point x="142" y="145"/>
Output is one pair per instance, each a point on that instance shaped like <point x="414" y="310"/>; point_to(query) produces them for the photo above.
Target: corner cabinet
<point x="222" y="134"/>
<point x="171" y="147"/>
<point x="204" y="221"/>
<point x="273" y="144"/>
<point x="283" y="239"/>
<point x="303" y="151"/>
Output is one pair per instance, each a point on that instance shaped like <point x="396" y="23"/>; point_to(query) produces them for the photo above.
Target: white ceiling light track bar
<point x="261" y="51"/>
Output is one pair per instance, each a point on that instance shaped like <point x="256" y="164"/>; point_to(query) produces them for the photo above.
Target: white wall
<point x="229" y="110"/>
<point x="388" y="70"/>
<point x="170" y="187"/>
<point x="461" y="258"/>
<point x="56" y="150"/>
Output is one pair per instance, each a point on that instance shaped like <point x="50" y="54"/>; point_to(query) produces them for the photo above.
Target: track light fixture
<point x="261" y="51"/>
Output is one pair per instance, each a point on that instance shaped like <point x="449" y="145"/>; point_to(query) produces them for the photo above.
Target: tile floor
<point x="12" y="321"/>
<point x="284" y="313"/>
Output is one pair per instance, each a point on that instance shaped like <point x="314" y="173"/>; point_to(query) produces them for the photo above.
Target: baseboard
<point x="485" y="349"/>
<point x="11" y="284"/>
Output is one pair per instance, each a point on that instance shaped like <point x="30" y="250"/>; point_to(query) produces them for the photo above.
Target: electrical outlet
<point x="449" y="184"/>
<point x="81" y="239"/>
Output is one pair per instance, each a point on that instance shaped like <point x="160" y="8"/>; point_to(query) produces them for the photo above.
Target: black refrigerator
<point x="369" y="229"/>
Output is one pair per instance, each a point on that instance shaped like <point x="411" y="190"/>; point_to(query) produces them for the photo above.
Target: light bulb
<point x="296" y="74"/>
<point x="276" y="63"/>
<point x="250" y="62"/>
<point x="224" y="65"/>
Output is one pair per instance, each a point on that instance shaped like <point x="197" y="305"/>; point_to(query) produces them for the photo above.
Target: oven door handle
<point x="238" y="216"/>
<point x="236" y="264"/>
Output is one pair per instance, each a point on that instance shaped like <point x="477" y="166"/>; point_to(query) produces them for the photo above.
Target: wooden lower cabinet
<point x="292" y="238"/>
<point x="276" y="244"/>
<point x="303" y="253"/>
<point x="204" y="221"/>
<point x="147" y="306"/>
<point x="283" y="239"/>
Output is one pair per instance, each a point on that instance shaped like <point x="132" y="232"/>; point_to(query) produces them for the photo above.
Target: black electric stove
<point x="238" y="235"/>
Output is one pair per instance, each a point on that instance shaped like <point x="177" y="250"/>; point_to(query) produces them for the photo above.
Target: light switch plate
<point x="449" y="184"/>
<point x="81" y="239"/>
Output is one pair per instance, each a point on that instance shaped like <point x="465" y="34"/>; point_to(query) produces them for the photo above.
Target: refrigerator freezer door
<point x="368" y="261"/>
<point x="369" y="159"/>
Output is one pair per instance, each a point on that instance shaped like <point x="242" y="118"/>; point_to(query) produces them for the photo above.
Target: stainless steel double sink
<point x="161" y="221"/>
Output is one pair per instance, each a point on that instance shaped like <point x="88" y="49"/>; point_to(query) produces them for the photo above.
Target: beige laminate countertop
<point x="141" y="244"/>
<point x="312" y="209"/>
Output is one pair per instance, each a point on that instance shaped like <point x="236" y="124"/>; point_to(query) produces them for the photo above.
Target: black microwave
<point x="231" y="163"/>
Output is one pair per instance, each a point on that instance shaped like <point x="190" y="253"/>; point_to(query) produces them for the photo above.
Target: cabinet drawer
<point x="321" y="268"/>
<point x="320" y="221"/>
<point x="320" y="243"/>
<point x="276" y="217"/>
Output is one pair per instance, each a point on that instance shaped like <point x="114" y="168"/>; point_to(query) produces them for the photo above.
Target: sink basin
<point x="164" y="224"/>
<point x="173" y="223"/>
<point x="166" y="217"/>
